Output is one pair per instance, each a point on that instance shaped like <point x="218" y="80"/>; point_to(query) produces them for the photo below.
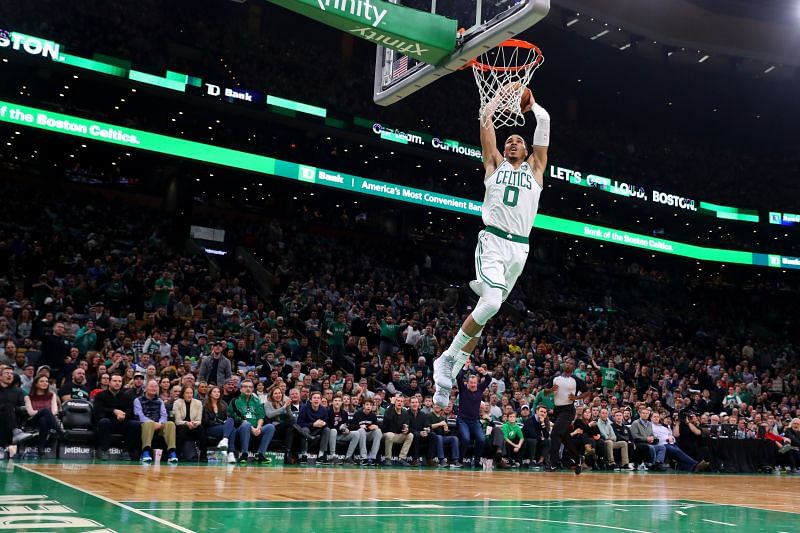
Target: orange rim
<point x="510" y="43"/>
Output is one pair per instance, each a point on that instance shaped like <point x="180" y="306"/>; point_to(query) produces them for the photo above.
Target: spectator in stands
<point x="102" y="385"/>
<point x="313" y="422"/>
<point x="113" y="411"/>
<point x="623" y="434"/>
<point x="642" y="432"/>
<point x="793" y="434"/>
<point x="611" y="442"/>
<point x="586" y="434"/>
<point x="77" y="388"/>
<point x="442" y="436"/>
<point x="278" y="412"/>
<point x="55" y="349"/>
<point x="366" y="420"/>
<point x="536" y="431"/>
<point x="26" y="378"/>
<point x="665" y="433"/>
<point x="189" y="430"/>
<point x="137" y="387"/>
<point x="419" y="426"/>
<point x="174" y="395"/>
<point x="152" y="414"/>
<point x="511" y="452"/>
<point x="218" y="424"/>
<point x="164" y="386"/>
<point x="248" y="414"/>
<point x="340" y="421"/>
<point x="42" y="406"/>
<point x="230" y="390"/>
<point x="469" y="411"/>
<point x="11" y="397"/>
<point x="397" y="430"/>
<point x="690" y="436"/>
<point x="215" y="369"/>
<point x="86" y="338"/>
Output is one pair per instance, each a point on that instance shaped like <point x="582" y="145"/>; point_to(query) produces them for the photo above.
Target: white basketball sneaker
<point x="442" y="370"/>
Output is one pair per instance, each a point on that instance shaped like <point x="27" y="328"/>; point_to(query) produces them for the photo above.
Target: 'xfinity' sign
<point x="29" y="44"/>
<point x="358" y="8"/>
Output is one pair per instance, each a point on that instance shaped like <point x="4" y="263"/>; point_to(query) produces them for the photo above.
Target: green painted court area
<point x="34" y="502"/>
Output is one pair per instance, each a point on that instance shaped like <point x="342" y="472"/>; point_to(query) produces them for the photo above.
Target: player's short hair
<point x="524" y="142"/>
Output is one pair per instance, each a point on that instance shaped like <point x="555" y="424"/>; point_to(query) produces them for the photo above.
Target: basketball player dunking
<point x="513" y="182"/>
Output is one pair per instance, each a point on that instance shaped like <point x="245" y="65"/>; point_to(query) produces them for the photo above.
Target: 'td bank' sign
<point x="29" y="44"/>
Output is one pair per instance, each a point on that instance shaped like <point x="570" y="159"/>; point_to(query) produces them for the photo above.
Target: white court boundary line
<point x="489" y="517"/>
<point x="108" y="500"/>
<point x="190" y="507"/>
<point x="742" y="506"/>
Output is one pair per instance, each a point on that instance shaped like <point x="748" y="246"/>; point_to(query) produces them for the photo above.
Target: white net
<point x="502" y="75"/>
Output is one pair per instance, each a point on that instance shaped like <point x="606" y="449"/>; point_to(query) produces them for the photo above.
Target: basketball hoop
<point x="502" y="75"/>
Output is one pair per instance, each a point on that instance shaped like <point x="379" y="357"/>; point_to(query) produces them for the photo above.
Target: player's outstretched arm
<point x="491" y="155"/>
<point x="541" y="140"/>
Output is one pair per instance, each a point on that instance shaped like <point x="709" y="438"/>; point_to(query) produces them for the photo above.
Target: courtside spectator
<point x="76" y="388"/>
<point x="189" y="431"/>
<point x="248" y="415"/>
<point x="113" y="411"/>
<point x="152" y="414"/>
<point x="42" y="406"/>
<point x="397" y="430"/>
<point x="218" y="424"/>
<point x="366" y="420"/>
<point x="313" y="422"/>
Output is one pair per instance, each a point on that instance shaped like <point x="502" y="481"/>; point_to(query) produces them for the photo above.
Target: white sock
<point x="459" y="341"/>
<point x="460" y="359"/>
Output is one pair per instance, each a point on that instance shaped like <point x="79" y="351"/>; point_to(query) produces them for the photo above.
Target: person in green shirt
<point x="513" y="440"/>
<point x="545" y="398"/>
<point x="389" y="332"/>
<point x="248" y="414"/>
<point x="609" y="374"/>
<point x="580" y="371"/>
<point x="337" y="331"/>
<point x="163" y="287"/>
<point x="86" y="338"/>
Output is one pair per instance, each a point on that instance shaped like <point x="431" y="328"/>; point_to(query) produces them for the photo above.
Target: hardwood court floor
<point x="130" y="497"/>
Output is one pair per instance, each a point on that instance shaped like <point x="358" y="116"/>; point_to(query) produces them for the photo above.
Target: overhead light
<point x="571" y="22"/>
<point x="625" y="46"/>
<point x="703" y="59"/>
<point x="770" y="69"/>
<point x="599" y="35"/>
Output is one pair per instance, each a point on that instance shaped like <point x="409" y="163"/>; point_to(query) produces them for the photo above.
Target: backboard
<point x="486" y="24"/>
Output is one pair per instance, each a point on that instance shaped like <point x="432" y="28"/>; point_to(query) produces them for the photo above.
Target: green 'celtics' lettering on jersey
<point x="516" y="178"/>
<point x="512" y="198"/>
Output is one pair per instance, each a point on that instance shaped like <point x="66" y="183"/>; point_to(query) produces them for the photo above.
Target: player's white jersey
<point x="512" y="199"/>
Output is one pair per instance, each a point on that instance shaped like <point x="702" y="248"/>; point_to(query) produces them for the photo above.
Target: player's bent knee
<point x="488" y="305"/>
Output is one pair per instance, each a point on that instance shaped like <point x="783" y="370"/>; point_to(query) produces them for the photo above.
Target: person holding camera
<point x="691" y="438"/>
<point x="665" y="434"/>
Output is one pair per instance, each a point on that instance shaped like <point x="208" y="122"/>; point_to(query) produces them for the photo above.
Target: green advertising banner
<point x="20" y="115"/>
<point x="424" y="36"/>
